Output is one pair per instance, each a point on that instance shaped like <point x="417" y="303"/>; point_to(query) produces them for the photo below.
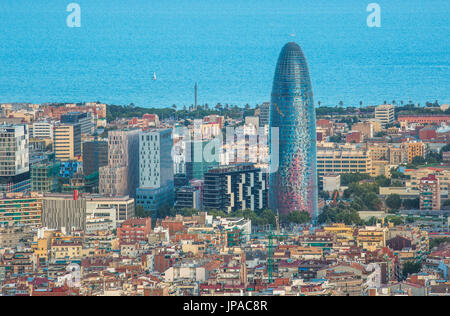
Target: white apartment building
<point x="384" y="113"/>
<point x="14" y="155"/>
<point x="42" y="129"/>
<point x="116" y="209"/>
<point x="155" y="158"/>
<point x="331" y="182"/>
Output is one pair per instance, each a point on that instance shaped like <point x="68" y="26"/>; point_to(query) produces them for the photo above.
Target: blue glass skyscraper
<point x="293" y="178"/>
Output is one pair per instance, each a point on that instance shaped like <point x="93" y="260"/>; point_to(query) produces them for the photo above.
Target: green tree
<point x="395" y="174"/>
<point x="217" y="213"/>
<point x="335" y="138"/>
<point x="139" y="211"/>
<point x="418" y="160"/>
<point x="165" y="211"/>
<point x="187" y="211"/>
<point x="444" y="149"/>
<point x="433" y="157"/>
<point x="324" y="195"/>
<point x="435" y="242"/>
<point x="366" y="194"/>
<point x="340" y="214"/>
<point x="371" y="221"/>
<point x="411" y="267"/>
<point x="396" y="220"/>
<point x="394" y="201"/>
<point x="299" y="217"/>
<point x="410" y="220"/>
<point x="397" y="184"/>
<point x="268" y="217"/>
<point x="249" y="214"/>
<point x="347" y="178"/>
<point x="382" y="181"/>
<point x="411" y="204"/>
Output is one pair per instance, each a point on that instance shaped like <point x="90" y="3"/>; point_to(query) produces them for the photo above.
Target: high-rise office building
<point x="67" y="141"/>
<point x="82" y="118"/>
<point x="155" y="158"/>
<point x="385" y="114"/>
<point x="14" y="158"/>
<point x="45" y="176"/>
<point x="120" y="176"/>
<point x="235" y="187"/>
<point x="188" y="197"/>
<point x="293" y="177"/>
<point x="95" y="156"/>
<point x="264" y="115"/>
<point x="156" y="183"/>
<point x="42" y="129"/>
<point x="197" y="161"/>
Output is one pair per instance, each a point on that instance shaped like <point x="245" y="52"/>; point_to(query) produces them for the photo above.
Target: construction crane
<point x="277" y="220"/>
<point x="270" y="236"/>
<point x="270" y="261"/>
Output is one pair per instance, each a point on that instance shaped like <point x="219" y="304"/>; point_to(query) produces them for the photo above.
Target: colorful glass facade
<point x="293" y="184"/>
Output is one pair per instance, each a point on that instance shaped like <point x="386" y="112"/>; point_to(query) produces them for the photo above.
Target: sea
<point x="230" y="48"/>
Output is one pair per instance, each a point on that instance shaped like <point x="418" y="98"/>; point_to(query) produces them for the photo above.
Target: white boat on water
<point x="154" y="76"/>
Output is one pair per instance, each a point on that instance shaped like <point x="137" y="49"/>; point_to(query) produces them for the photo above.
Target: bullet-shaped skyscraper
<point x="293" y="177"/>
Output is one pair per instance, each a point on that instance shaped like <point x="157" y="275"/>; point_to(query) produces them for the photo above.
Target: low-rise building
<point x="134" y="230"/>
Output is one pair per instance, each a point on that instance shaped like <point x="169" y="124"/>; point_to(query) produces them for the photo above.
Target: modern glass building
<point x="95" y="156"/>
<point x="14" y="158"/>
<point x="196" y="164"/>
<point x="156" y="187"/>
<point x="293" y="177"/>
<point x="44" y="176"/>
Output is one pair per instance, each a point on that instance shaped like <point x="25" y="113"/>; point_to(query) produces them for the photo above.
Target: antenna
<point x="195" y="95"/>
<point x="277" y="218"/>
